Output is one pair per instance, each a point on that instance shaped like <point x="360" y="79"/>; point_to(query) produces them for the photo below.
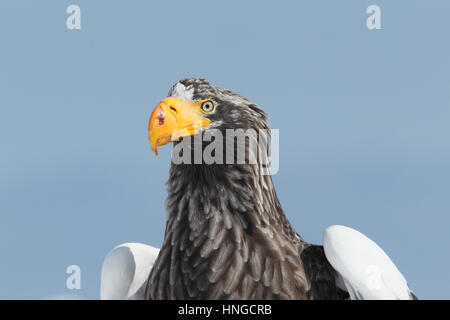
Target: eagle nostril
<point x="173" y="109"/>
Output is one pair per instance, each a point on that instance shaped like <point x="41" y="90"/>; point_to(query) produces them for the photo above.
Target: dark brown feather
<point x="226" y="235"/>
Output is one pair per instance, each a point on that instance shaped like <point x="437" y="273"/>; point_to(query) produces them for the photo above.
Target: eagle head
<point x="194" y="105"/>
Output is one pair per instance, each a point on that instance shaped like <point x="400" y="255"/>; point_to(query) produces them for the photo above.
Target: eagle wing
<point x="350" y="265"/>
<point x="323" y="279"/>
<point x="125" y="271"/>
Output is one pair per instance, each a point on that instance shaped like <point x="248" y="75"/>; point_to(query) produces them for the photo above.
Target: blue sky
<point x="363" y="118"/>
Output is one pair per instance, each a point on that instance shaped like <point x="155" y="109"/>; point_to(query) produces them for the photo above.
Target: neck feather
<point x="221" y="218"/>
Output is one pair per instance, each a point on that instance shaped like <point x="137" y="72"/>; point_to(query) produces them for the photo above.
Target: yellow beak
<point x="174" y="118"/>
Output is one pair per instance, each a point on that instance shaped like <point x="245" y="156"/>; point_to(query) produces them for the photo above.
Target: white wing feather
<point x="366" y="270"/>
<point x="125" y="271"/>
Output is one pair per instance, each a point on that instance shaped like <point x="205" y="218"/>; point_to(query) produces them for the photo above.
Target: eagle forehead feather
<point x="237" y="107"/>
<point x="181" y="91"/>
<point x="196" y="89"/>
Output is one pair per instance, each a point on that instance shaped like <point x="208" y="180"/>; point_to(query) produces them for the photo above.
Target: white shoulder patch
<point x="366" y="270"/>
<point x="125" y="271"/>
<point x="181" y="91"/>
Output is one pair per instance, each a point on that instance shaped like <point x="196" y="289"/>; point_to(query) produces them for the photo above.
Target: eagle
<point x="226" y="234"/>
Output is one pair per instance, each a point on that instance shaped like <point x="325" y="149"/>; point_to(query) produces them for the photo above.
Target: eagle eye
<point x="208" y="106"/>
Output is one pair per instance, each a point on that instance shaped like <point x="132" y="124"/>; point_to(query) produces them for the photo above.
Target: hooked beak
<point x="174" y="118"/>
